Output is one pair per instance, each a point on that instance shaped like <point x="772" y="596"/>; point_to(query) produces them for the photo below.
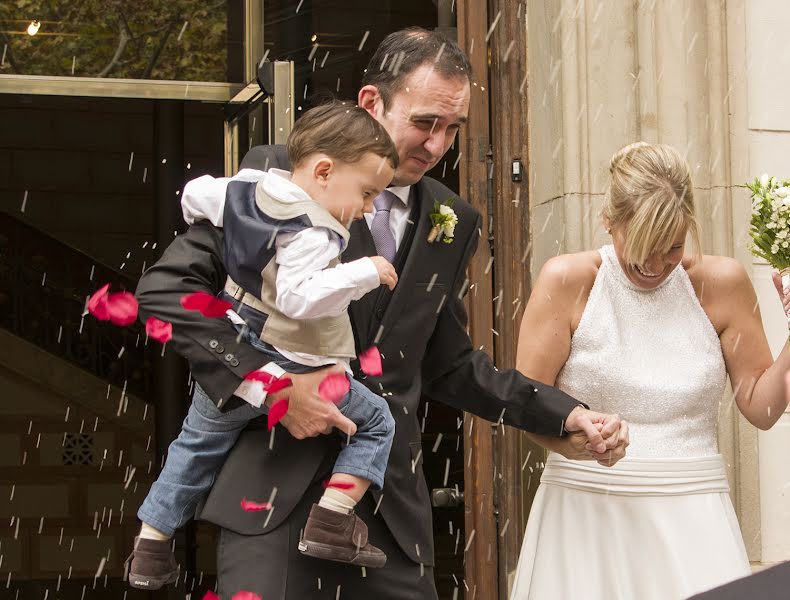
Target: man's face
<point x="422" y="119"/>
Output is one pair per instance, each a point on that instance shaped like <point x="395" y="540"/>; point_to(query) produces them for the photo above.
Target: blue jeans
<point x="208" y="435"/>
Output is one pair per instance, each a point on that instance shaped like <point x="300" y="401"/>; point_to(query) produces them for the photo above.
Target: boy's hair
<point x="342" y="131"/>
<point x="403" y="52"/>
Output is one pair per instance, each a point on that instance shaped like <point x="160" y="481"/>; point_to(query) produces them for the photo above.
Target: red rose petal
<point x="270" y="383"/>
<point x="370" y="362"/>
<point x="211" y="596"/>
<point x="208" y="305"/>
<point x="244" y="595"/>
<point x="97" y="305"/>
<point x="122" y="308"/>
<point x="276" y="412"/>
<point x="196" y="301"/>
<point x="338" y="485"/>
<point x="334" y="387"/>
<point x="252" y="506"/>
<point x="161" y="331"/>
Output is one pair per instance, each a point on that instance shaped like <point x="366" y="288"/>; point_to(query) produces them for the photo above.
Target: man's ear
<point x="369" y="98"/>
<point x="322" y="169"/>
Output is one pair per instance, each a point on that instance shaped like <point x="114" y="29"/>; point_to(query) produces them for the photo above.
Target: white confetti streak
<point x="469" y="541"/>
<point x="183" y="29"/>
<point x="24" y="201"/>
<point x="493" y="26"/>
<point x="100" y="570"/>
<point x="263" y="58"/>
<point x="364" y="39"/>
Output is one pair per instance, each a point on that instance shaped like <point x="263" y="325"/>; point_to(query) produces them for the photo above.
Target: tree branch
<point x="9" y="55"/>
<point x="123" y="39"/>
<point x="162" y="41"/>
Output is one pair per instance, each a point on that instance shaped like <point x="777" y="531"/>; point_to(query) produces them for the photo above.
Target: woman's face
<point x="656" y="268"/>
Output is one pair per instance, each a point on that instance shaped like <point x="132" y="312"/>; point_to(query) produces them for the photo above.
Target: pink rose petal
<point x="334" y="387"/>
<point x="208" y="305"/>
<point x="97" y="305"/>
<point x="340" y="485"/>
<point x="244" y="595"/>
<point x="122" y="308"/>
<point x="276" y="412"/>
<point x="370" y="362"/>
<point x="252" y="506"/>
<point x="211" y="596"/>
<point x="161" y="331"/>
<point x="270" y="383"/>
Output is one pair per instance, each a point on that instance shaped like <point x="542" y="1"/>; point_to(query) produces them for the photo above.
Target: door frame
<point x="499" y="483"/>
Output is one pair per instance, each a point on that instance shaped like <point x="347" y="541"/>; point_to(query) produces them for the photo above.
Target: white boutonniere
<point x="444" y="220"/>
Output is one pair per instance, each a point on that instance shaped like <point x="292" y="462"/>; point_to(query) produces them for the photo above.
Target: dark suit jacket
<point x="771" y="584"/>
<point x="420" y="329"/>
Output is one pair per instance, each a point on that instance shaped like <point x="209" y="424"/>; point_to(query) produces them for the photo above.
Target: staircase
<point x="44" y="286"/>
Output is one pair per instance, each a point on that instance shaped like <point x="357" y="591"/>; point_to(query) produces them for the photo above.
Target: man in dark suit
<point x="417" y="85"/>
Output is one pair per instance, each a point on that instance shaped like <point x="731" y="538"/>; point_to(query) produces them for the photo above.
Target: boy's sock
<point x="337" y="501"/>
<point x="151" y="533"/>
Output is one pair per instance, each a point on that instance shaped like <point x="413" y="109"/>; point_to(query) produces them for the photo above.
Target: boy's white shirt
<point x="306" y="287"/>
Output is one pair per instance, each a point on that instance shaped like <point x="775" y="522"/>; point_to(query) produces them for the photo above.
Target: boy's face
<point x="350" y="188"/>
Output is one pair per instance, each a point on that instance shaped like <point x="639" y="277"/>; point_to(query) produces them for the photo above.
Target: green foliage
<point x="117" y="38"/>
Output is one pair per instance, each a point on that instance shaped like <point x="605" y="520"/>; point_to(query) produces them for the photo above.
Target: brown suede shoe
<point x="153" y="564"/>
<point x="344" y="538"/>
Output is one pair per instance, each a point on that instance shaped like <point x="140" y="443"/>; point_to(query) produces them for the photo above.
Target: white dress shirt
<point x="306" y="287"/>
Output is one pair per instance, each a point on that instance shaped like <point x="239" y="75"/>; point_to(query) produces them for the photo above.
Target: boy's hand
<point x="387" y="274"/>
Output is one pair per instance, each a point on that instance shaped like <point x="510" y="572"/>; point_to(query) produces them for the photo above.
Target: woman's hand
<point x="575" y="446"/>
<point x="784" y="294"/>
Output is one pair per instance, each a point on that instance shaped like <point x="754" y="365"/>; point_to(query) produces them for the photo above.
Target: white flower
<point x="446" y="210"/>
<point x="449" y="228"/>
<point x="764" y="180"/>
<point x="782" y="192"/>
<point x="774" y="249"/>
<point x="782" y="234"/>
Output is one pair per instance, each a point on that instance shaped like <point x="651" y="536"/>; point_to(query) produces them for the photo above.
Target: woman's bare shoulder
<point x="723" y="272"/>
<point x="575" y="269"/>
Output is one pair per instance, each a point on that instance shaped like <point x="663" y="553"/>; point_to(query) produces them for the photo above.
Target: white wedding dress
<point x="659" y="525"/>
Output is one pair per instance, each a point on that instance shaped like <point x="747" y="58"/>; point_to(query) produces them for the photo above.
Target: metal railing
<point x="44" y="285"/>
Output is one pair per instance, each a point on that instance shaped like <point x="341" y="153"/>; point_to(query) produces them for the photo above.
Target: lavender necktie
<point x="380" y="227"/>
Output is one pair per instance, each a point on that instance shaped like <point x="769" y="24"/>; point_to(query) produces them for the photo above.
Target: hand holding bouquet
<point x="770" y="226"/>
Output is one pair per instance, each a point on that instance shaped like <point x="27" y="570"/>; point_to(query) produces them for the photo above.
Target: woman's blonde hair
<point x="651" y="195"/>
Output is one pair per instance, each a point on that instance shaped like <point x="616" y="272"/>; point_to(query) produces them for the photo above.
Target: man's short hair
<point x="342" y="131"/>
<point x="402" y="52"/>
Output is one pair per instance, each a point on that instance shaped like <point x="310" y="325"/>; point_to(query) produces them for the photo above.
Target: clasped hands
<point x="593" y="436"/>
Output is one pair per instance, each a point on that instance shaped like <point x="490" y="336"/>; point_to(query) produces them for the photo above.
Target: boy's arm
<point x="306" y="287"/>
<point x="204" y="198"/>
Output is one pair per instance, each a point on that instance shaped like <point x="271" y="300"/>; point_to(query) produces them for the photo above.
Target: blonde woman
<point x="643" y="329"/>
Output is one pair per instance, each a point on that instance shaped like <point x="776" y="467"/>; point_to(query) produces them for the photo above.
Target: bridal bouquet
<point x="770" y="226"/>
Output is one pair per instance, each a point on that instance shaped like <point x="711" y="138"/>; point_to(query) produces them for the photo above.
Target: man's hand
<point x="601" y="438"/>
<point x="308" y="414"/>
<point x="575" y="446"/>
